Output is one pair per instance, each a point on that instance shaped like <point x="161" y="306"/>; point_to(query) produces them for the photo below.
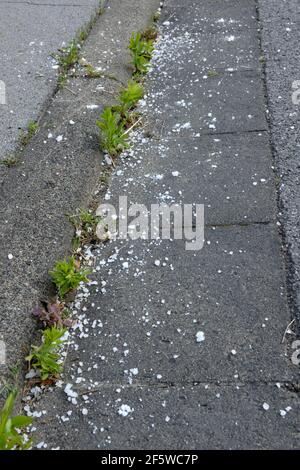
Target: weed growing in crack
<point x="113" y="139"/>
<point x="212" y="73"/>
<point x="10" y="162"/>
<point x="32" y="129"/>
<point x="113" y="120"/>
<point x="67" y="275"/>
<point x="141" y="50"/>
<point x="53" y="313"/>
<point x="69" y="56"/>
<point x="85" y="225"/>
<point x="44" y="358"/>
<point x="11" y="426"/>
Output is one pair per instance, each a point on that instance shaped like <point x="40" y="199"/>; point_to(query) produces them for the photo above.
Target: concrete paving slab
<point x="231" y="175"/>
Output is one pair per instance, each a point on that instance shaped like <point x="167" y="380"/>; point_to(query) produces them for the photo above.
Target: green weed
<point x="156" y="16"/>
<point x="32" y="129"/>
<point x="44" y="358"/>
<point x="67" y="275"/>
<point x="112" y="137"/>
<point x="141" y="51"/>
<point x="53" y="313"/>
<point x="10" y="438"/>
<point x="83" y="34"/>
<point x="9" y="385"/>
<point x="101" y="8"/>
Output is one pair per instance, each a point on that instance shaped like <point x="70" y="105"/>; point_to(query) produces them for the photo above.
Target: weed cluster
<point x="67" y="275"/>
<point x="91" y="72"/>
<point x="32" y="129"/>
<point x="128" y="99"/>
<point x="115" y="120"/>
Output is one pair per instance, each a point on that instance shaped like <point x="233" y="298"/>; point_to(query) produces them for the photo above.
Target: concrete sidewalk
<point x="30" y="32"/>
<point x="142" y="378"/>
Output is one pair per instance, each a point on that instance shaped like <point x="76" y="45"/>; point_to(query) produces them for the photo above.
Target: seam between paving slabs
<point x="47" y="4"/>
<point x="286" y="255"/>
<point x="286" y="385"/>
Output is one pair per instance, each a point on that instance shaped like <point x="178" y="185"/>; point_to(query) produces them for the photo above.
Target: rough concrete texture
<point x="59" y="171"/>
<point x="279" y="22"/>
<point x="30" y="33"/>
<point x="175" y="348"/>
